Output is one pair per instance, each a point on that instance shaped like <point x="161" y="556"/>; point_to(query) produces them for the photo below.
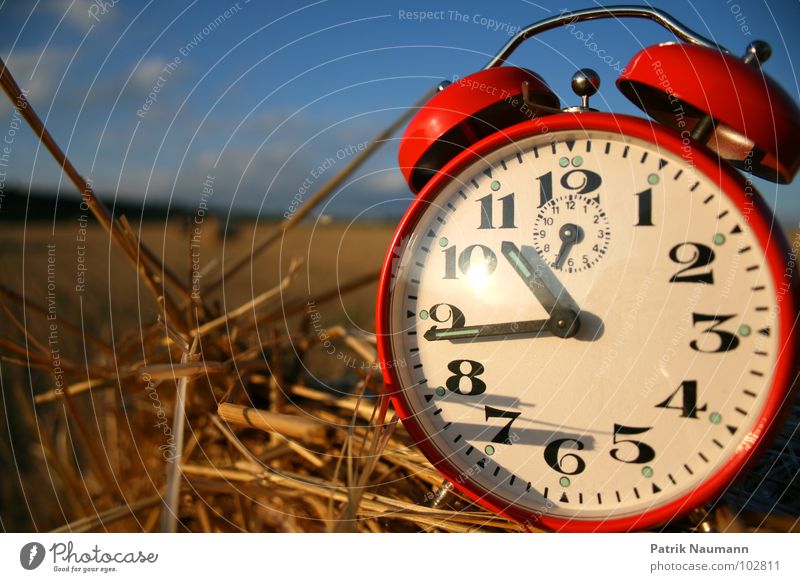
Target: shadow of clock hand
<point x="514" y="402"/>
<point x="592" y="327"/>
<point x="521" y="436"/>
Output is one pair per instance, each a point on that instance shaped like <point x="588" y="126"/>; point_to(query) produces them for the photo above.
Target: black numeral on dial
<point x="688" y="407"/>
<point x="474" y="369"/>
<point x="645" y="201"/>
<point x="695" y="256"/>
<point x="545" y="188"/>
<point x="581" y="181"/>
<point x="465" y="260"/>
<point x="453" y="314"/>
<point x="504" y="436"/>
<point x="727" y="340"/>
<point x="552" y="450"/>
<point x="507" y="208"/>
<point x="587" y="182"/>
<point x="645" y="453"/>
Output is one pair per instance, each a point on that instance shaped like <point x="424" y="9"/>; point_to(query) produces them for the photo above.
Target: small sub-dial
<point x="571" y="233"/>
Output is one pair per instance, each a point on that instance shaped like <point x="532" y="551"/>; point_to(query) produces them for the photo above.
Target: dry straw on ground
<point x="191" y="422"/>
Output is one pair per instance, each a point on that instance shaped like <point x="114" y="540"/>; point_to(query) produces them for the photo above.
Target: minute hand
<point x="492" y="329"/>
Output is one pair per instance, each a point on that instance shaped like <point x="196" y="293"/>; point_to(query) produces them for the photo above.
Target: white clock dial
<point x="676" y="310"/>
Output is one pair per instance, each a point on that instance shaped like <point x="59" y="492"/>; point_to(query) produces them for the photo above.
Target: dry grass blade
<point x="25" y="353"/>
<point x="169" y="513"/>
<point x="121" y="237"/>
<point x="301" y="305"/>
<point x="72" y="390"/>
<point x="249" y="307"/>
<point x="182" y="370"/>
<point x="91" y="523"/>
<point x="29" y="305"/>
<point x="288" y="425"/>
<point x="156" y="265"/>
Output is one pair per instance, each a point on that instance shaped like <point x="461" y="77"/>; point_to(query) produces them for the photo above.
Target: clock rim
<point x="776" y="251"/>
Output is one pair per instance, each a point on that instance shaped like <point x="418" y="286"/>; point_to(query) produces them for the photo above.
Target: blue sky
<point x="264" y="97"/>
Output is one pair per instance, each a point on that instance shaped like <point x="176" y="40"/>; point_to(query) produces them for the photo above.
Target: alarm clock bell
<point x="465" y="111"/>
<point x="751" y="121"/>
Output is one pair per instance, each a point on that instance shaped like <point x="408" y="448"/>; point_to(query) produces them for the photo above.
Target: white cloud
<point x="81" y="14"/>
<point x="37" y="72"/>
<point x="146" y="74"/>
<point x="385" y="181"/>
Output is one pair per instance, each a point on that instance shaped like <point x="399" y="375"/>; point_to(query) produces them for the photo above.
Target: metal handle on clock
<point x="677" y="28"/>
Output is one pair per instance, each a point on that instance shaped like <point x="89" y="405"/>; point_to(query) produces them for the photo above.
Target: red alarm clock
<point x="587" y="320"/>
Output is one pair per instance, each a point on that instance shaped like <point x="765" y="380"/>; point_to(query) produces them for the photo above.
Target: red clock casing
<point x="766" y="231"/>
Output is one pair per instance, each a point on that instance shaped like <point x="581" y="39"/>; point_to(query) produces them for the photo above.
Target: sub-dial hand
<point x="570" y="236"/>
<point x="562" y="324"/>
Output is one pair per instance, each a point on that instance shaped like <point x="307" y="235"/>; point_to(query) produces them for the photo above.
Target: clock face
<point x="582" y="327"/>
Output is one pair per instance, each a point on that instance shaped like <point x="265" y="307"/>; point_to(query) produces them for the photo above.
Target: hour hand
<point x="531" y="276"/>
<point x="549" y="278"/>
